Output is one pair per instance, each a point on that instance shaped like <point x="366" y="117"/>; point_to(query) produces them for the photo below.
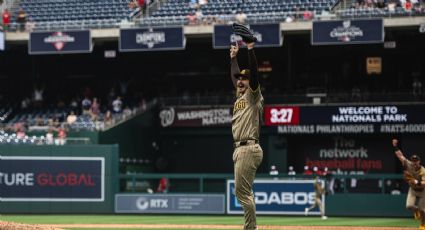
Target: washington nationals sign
<point x="39" y="178"/>
<point x="60" y="42"/>
<point x="152" y="39"/>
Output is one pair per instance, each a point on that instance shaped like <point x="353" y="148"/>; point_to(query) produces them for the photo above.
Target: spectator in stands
<point x="194" y="4"/>
<point x="49" y="137"/>
<point x="29" y="25"/>
<point x="20" y="134"/>
<point x="126" y="112"/>
<point x="38" y="97"/>
<point x="25" y="104"/>
<point x="307" y="171"/>
<point x="307" y="15"/>
<point x="21" y="19"/>
<point x="86" y="105"/>
<point x="192" y="19"/>
<point x="391" y="6"/>
<point x="274" y="172"/>
<point x="117" y="105"/>
<point x="416" y="88"/>
<point x="241" y="17"/>
<point x="6" y="19"/>
<point x="61" y="140"/>
<point x="202" y="2"/>
<point x="71" y="118"/>
<point x="73" y="104"/>
<point x="95" y="109"/>
<point x="108" y="119"/>
<point x="407" y="5"/>
<point x="199" y="15"/>
<point x="142" y="5"/>
<point x="164" y="185"/>
<point x="291" y="171"/>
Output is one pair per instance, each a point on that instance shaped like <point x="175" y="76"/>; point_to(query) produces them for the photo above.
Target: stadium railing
<point x="301" y="98"/>
<point x="367" y="183"/>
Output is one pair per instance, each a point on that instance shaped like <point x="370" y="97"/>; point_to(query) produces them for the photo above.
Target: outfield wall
<point x="58" y="179"/>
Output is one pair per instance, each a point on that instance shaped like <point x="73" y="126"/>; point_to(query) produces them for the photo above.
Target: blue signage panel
<point x="340" y="32"/>
<point x="36" y="178"/>
<point x="277" y="197"/>
<point x="1" y="40"/>
<point x="152" y="39"/>
<point x="60" y="42"/>
<point x="268" y="35"/>
<point x="170" y="203"/>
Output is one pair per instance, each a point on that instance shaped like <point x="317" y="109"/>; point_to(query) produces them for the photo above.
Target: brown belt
<point x="247" y="142"/>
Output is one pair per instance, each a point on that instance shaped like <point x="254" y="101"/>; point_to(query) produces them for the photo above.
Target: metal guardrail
<point x="301" y="98"/>
<point x="201" y="178"/>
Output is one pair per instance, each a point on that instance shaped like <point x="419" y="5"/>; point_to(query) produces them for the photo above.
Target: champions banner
<point x="57" y="179"/>
<point x="195" y="116"/>
<point x="277" y="197"/>
<point x="152" y="39"/>
<point x="268" y="35"/>
<point x="60" y="42"/>
<point x="346" y="119"/>
<point x="340" y="32"/>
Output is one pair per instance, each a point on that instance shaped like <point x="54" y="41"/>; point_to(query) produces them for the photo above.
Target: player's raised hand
<point x="395" y="142"/>
<point x="234" y="49"/>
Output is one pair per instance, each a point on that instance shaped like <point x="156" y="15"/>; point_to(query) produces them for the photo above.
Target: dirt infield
<point x="194" y="226"/>
<point x="16" y="226"/>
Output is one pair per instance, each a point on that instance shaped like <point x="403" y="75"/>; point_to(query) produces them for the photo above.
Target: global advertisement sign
<point x="346" y="119"/>
<point x="288" y="197"/>
<point x="268" y="35"/>
<point x="170" y="203"/>
<point x="341" y="32"/>
<point x="57" y="179"/>
<point x="60" y="42"/>
<point x="151" y="39"/>
<point x="195" y="116"/>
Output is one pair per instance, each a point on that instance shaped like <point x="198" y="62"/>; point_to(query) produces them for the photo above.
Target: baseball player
<point x="319" y="190"/>
<point x="414" y="175"/>
<point x="247" y="112"/>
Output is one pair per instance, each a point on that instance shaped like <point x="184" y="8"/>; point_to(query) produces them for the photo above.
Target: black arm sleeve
<point x="253" y="68"/>
<point x="234" y="69"/>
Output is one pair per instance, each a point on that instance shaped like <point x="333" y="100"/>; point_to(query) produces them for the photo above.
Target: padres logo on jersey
<point x="240" y="105"/>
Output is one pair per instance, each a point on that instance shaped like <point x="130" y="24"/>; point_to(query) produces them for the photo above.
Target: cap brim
<point x="238" y="75"/>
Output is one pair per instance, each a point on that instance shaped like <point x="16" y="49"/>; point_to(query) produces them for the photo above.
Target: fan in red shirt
<point x="163" y="185"/>
<point x="6" y="18"/>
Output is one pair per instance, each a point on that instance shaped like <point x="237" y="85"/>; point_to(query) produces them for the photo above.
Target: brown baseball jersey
<point x="318" y="189"/>
<point x="247" y="112"/>
<point x="416" y="174"/>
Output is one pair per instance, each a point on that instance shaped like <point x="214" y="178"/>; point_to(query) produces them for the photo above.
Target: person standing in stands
<point x="21" y="19"/>
<point x="6" y="19"/>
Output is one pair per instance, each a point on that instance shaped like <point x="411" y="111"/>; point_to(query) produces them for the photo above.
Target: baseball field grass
<point x="175" y="222"/>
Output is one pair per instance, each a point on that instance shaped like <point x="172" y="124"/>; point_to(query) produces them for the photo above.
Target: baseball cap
<point x="244" y="73"/>
<point x="415" y="158"/>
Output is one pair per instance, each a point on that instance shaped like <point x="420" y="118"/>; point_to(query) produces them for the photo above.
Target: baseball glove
<point x="244" y="32"/>
<point x="411" y="180"/>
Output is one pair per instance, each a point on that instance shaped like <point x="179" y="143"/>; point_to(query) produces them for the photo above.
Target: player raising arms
<point x="247" y="111"/>
<point x="414" y="175"/>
